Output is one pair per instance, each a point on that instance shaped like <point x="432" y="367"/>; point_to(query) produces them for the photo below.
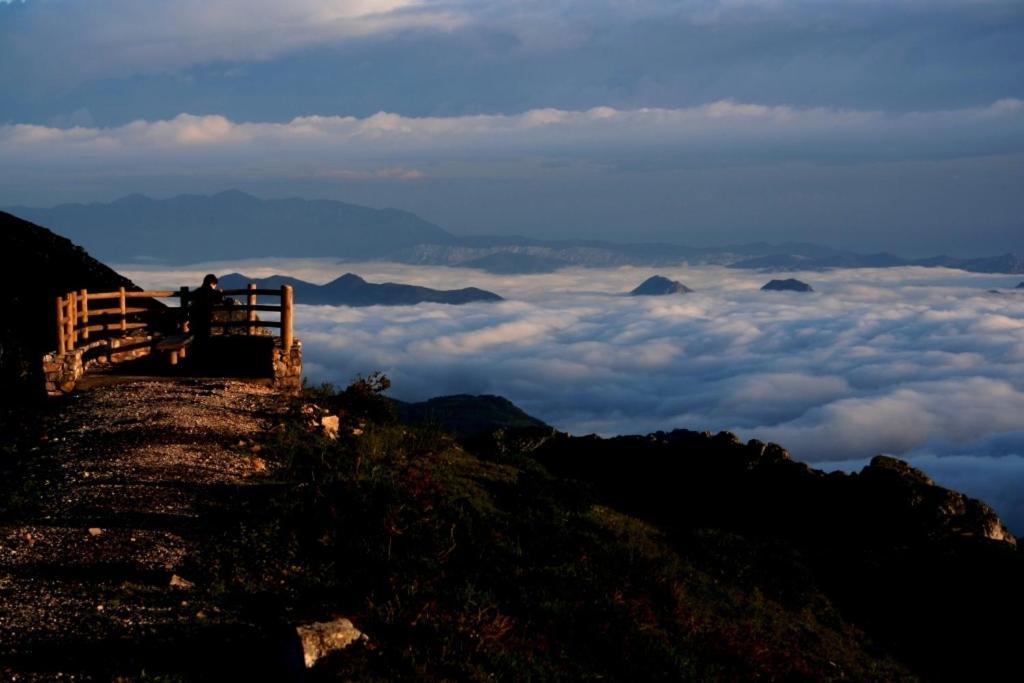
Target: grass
<point x="463" y="568"/>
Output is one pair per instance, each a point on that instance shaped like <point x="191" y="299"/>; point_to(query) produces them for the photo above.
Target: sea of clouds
<point x="926" y="364"/>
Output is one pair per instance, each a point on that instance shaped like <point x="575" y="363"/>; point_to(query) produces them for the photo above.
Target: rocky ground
<point x="97" y="568"/>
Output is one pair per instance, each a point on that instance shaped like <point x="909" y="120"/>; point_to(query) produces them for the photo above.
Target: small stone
<point x="331" y="424"/>
<point x="95" y="531"/>
<point x="180" y="583"/>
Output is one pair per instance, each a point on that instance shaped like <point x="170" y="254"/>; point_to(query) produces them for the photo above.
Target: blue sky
<point x="876" y="125"/>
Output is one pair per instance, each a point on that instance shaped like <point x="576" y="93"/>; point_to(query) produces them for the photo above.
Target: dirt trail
<point x="97" y="571"/>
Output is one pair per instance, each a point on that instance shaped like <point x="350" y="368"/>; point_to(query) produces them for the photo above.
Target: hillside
<point x="147" y="519"/>
<point x="144" y="518"/>
<point x="36" y="266"/>
<point x="352" y="290"/>
<point x="466" y="416"/>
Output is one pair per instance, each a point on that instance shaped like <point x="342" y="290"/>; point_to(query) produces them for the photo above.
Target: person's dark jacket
<point x="200" y="310"/>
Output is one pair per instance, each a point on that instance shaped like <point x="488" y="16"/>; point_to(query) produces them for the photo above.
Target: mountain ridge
<point x="351" y="290"/>
<point x="189" y="228"/>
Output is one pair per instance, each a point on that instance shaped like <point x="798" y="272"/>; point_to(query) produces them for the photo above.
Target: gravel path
<point x="98" y="567"/>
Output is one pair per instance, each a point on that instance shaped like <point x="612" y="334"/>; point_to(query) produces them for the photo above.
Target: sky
<point x="922" y="363"/>
<point x="869" y="124"/>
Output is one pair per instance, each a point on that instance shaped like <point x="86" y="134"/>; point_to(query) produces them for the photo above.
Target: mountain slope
<point x="467" y="416"/>
<point x="36" y="266"/>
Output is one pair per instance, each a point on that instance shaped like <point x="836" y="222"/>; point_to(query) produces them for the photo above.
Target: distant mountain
<point x="784" y="262"/>
<point x="789" y="285"/>
<point x="36" y="266"/>
<point x="352" y="290"/>
<point x="232" y="224"/>
<point x="465" y="416"/>
<point x="1006" y="263"/>
<point x="659" y="286"/>
<point x="514" y="263"/>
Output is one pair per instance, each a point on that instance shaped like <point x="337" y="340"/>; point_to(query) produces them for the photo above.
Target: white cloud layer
<point x="721" y="132"/>
<point x="924" y="363"/>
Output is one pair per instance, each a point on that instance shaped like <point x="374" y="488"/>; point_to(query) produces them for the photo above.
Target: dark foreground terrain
<point x="179" y="529"/>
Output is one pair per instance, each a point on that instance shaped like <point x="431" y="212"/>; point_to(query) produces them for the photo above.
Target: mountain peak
<point x="658" y="285"/>
<point x="788" y="285"/>
<point x="233" y="195"/>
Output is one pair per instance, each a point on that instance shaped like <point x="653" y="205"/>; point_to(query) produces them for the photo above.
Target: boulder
<point x="320" y="639"/>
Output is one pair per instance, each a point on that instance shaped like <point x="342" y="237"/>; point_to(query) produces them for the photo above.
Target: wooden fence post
<point x="251" y="329"/>
<point x="60" y="326"/>
<point x="73" y="318"/>
<point x="287" y="333"/>
<point x="84" y="295"/>
<point x="124" y="312"/>
<point x="69" y="324"/>
<point x="183" y="305"/>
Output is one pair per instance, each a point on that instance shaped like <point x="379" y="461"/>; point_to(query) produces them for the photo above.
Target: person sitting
<point x="202" y="303"/>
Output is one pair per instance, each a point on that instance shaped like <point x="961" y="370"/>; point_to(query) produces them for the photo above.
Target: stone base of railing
<point x="288" y="367"/>
<point x="62" y="371"/>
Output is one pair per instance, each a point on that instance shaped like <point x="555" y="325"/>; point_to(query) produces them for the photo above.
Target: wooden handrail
<point x="245" y="323"/>
<point x="258" y="292"/>
<point x="74" y="316"/>
<point x="118" y="311"/>
<point x="246" y="307"/>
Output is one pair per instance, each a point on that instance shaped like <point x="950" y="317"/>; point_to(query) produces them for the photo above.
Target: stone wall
<point x="288" y="367"/>
<point x="62" y="371"/>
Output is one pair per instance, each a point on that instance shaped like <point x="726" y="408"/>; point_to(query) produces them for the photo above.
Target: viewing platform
<point x="143" y="332"/>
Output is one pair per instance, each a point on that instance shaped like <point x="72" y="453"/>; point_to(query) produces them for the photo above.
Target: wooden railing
<point x="83" y="313"/>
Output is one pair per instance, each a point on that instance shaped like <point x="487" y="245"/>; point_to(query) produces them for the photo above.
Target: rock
<point x="320" y="639"/>
<point x="902" y="468"/>
<point x="180" y="583"/>
<point x="789" y="285"/>
<point x="659" y="286"/>
<point x="1020" y="286"/>
<point x="330" y="424"/>
<point x="95" y="531"/>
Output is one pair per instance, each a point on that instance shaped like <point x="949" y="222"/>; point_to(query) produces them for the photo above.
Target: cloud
<point x="888" y="360"/>
<point x="914" y="362"/>
<point x="116" y="38"/>
<point x="718" y="133"/>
